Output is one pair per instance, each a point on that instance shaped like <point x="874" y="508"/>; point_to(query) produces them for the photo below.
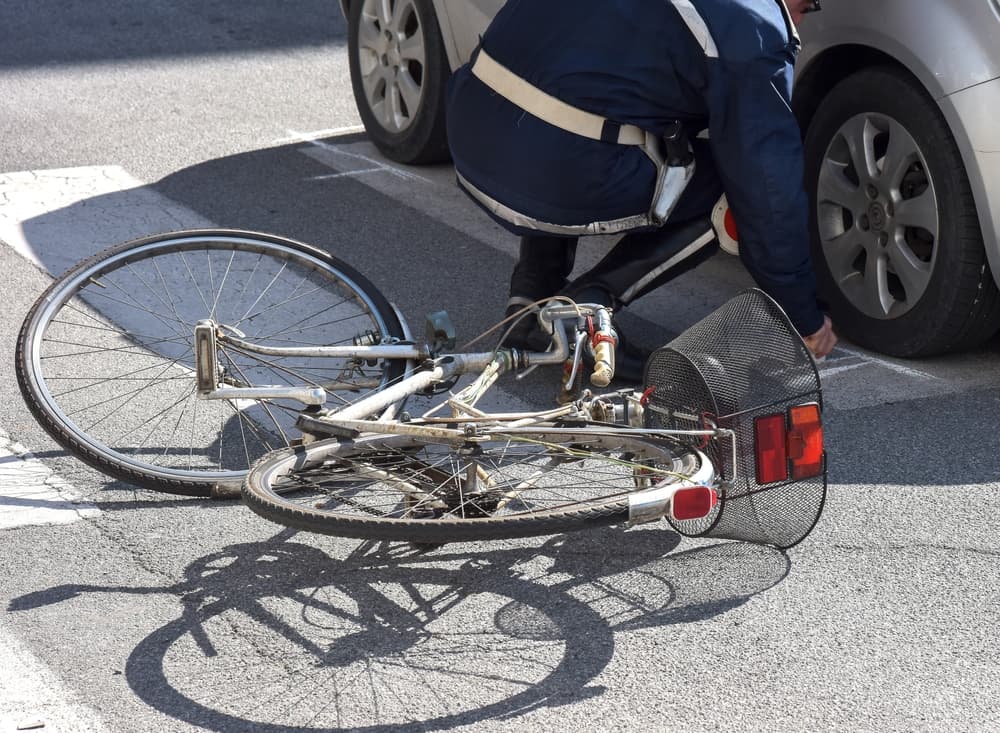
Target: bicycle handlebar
<point x="603" y="341"/>
<point x="603" y="338"/>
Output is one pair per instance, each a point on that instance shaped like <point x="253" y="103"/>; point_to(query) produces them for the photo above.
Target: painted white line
<point x="57" y="217"/>
<point x="302" y="137"/>
<point x="829" y="371"/>
<point x="371" y="163"/>
<point x="358" y="172"/>
<point x="909" y="371"/>
<point x="31" y="494"/>
<point x="31" y="694"/>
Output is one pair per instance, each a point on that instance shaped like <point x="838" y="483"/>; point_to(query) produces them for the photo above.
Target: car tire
<point x="399" y="70"/>
<point x="896" y="240"/>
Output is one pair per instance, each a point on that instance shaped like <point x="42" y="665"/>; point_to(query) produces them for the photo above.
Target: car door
<point x="467" y="20"/>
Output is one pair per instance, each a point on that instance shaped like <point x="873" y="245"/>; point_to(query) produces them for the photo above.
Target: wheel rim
<point x="398" y="478"/>
<point x="135" y="347"/>
<point x="877" y="216"/>
<point x="392" y="57"/>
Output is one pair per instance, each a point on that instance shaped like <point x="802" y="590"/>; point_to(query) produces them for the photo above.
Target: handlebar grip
<point x="604" y="364"/>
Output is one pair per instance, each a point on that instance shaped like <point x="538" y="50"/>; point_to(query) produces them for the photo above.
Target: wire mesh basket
<point x="742" y="362"/>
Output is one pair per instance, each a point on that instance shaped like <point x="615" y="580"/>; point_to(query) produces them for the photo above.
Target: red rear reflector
<point x="693" y="503"/>
<point x="729" y="222"/>
<point x="770" y="449"/>
<point x="805" y="441"/>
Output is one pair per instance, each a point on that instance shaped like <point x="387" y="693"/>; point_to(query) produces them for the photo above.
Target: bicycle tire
<point x="104" y="357"/>
<point x="322" y="487"/>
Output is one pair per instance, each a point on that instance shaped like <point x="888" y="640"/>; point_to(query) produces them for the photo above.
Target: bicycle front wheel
<point x="105" y="358"/>
<point x="521" y="484"/>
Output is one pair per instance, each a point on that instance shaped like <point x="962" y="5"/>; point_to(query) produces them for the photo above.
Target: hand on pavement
<point x="822" y="342"/>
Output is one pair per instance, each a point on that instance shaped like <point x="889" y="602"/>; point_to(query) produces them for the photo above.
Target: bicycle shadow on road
<point x="282" y="636"/>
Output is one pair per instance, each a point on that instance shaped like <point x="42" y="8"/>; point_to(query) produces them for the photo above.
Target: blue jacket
<point x="721" y="65"/>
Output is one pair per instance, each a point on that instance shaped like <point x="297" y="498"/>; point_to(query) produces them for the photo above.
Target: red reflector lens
<point x="770" y="449"/>
<point x="693" y="503"/>
<point x="729" y="222"/>
<point x="805" y="441"/>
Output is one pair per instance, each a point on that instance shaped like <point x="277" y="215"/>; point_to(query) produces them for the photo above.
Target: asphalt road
<point x="125" y="610"/>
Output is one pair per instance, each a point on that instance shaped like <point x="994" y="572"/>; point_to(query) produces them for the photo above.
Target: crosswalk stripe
<point x="31" y="494"/>
<point x="33" y="697"/>
<point x="55" y="218"/>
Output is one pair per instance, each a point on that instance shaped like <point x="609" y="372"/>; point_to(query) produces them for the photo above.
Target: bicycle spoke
<point x="125" y="396"/>
<point x="288" y="330"/>
<point x="117" y="331"/>
<point x="222" y="285"/>
<point x="511" y="478"/>
<point x="266" y="407"/>
<point x="194" y="281"/>
<point x="287" y="301"/>
<point x="131" y="303"/>
<point x="121" y="378"/>
<point x="260" y="297"/>
<point x="111" y="363"/>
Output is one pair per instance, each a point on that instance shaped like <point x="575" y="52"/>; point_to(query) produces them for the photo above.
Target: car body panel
<point x="972" y="115"/>
<point x="467" y="20"/>
<point x="948" y="46"/>
<point x="954" y="52"/>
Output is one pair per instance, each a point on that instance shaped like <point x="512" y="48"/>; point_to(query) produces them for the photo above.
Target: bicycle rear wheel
<point x="105" y="356"/>
<point x="404" y="488"/>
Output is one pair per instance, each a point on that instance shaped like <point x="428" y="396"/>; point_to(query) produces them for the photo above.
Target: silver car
<point x="898" y="100"/>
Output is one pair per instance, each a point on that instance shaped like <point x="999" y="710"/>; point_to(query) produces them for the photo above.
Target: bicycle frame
<point x="208" y="334"/>
<point x="646" y="505"/>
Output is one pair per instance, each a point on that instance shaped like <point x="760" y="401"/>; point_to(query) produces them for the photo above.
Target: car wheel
<point x="896" y="240"/>
<point x="398" y="71"/>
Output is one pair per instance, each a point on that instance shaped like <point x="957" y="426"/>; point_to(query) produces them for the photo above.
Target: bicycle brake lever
<point x="581" y="337"/>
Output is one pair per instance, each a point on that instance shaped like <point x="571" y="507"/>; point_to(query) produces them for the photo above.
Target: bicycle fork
<point x="207" y="375"/>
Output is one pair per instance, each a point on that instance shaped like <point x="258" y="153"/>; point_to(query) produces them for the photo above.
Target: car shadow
<point x="282" y="636"/>
<point x="423" y="265"/>
<point x="281" y="191"/>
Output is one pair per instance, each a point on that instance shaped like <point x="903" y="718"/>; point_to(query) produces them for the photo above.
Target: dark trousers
<point x="639" y="262"/>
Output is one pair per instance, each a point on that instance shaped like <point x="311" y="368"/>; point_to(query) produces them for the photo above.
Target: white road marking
<point x="58" y="217"/>
<point x="55" y="218"/>
<point x="301" y="137"/>
<point x="30" y="693"/>
<point x="31" y="494"/>
<point x="830" y="370"/>
<point x="909" y="371"/>
<point x="373" y="164"/>
<point x="346" y="173"/>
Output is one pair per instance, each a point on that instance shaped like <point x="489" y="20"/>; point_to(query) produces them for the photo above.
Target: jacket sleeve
<point x="757" y="147"/>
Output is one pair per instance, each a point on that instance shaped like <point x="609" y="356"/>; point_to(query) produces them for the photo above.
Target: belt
<point x="550" y="109"/>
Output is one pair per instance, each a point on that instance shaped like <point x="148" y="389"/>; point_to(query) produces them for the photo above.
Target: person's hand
<point x="822" y="342"/>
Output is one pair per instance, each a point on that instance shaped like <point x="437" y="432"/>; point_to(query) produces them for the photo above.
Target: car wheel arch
<point x="831" y="66"/>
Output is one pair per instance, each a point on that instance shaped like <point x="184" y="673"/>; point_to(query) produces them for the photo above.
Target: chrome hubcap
<point x="392" y="59"/>
<point x="878" y="216"/>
